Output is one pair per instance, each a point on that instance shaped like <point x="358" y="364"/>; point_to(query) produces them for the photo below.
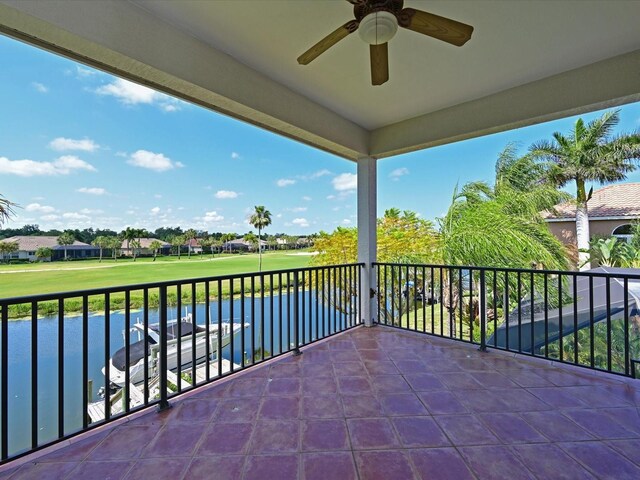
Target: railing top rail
<point x="168" y="283"/>
<point x="629" y="276"/>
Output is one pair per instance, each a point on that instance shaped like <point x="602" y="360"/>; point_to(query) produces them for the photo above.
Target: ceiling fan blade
<point x="442" y="28"/>
<point x="328" y="42"/>
<point x="379" y="63"/>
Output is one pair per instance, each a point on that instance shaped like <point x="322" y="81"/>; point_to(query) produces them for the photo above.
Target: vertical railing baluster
<point x="495" y="308"/>
<point x="532" y="315"/>
<point x="575" y="319"/>
<point x="231" y="324"/>
<point x="207" y="327"/>
<point x="608" y="280"/>
<point x="220" y="332"/>
<point x="483" y="311"/>
<point x="4" y="407"/>
<point x="626" y="325"/>
<point x="253" y="319"/>
<point x="461" y="299"/>
<point x="178" y="336"/>
<point x="317" y="310"/>
<point x="162" y="360"/>
<point x="336" y="300"/>
<point x="60" y="368"/>
<point x="471" y="310"/>
<point x="560" y="320"/>
<point x="296" y="349"/>
<point x="242" y="315"/>
<point x="413" y="298"/>
<point x="145" y="320"/>
<point x="34" y="369"/>
<point x="546" y="315"/>
<point x="302" y="295"/>
<point x="325" y="303"/>
<point x="592" y="353"/>
<point x="271" y="313"/>
<point x="262" y="335"/>
<point x="107" y="356"/>
<point x="519" y="286"/>
<point x="127" y="349"/>
<point x="441" y="302"/>
<point x="280" y="325"/>
<point x="194" y="327"/>
<point x="505" y="310"/>
<point x="288" y="311"/>
<point x="310" y="305"/>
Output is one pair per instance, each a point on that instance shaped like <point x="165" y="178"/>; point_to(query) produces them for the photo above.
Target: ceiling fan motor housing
<point x="378" y="20"/>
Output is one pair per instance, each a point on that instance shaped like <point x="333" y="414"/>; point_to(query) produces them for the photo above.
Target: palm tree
<point x="588" y="153"/>
<point x="6" y="209"/>
<point x="135" y="244"/>
<point x="177" y="241"/>
<point x="101" y="242"/>
<point x="190" y="235"/>
<point x="251" y="238"/>
<point x="129" y="234"/>
<point x="114" y="243"/>
<point x="228" y="237"/>
<point x="65" y="240"/>
<point x="260" y="219"/>
<point x="43" y="253"/>
<point x="155" y="246"/>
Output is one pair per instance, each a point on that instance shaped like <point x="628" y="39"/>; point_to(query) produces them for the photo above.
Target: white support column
<point x="367" y="238"/>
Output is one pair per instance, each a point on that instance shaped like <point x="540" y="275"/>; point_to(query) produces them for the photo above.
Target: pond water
<point x="274" y="330"/>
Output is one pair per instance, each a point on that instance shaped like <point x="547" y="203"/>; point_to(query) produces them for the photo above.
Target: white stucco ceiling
<point x="514" y="42"/>
<point x="528" y="61"/>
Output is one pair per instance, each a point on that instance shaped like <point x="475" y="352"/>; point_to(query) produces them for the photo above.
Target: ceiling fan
<point x="377" y="22"/>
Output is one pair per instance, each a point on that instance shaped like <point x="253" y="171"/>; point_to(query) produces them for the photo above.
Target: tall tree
<point x="190" y="235"/>
<point x="177" y="241"/>
<point x="114" y="244"/>
<point x="65" y="240"/>
<point x="101" y="242"/>
<point x="129" y="234"/>
<point x="7" y="248"/>
<point x="260" y="219"/>
<point x="43" y="253"/>
<point x="501" y="225"/>
<point x="588" y="153"/>
<point x="155" y="246"/>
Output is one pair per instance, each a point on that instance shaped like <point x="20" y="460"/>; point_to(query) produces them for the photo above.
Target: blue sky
<point x="80" y="148"/>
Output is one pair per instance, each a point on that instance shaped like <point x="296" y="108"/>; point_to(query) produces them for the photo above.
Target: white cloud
<point x="39" y="87"/>
<point x="398" y="172"/>
<point x="284" y="182"/>
<point x="29" y="168"/>
<point x="92" y="190"/>
<point x="153" y="161"/>
<point x="212" y="217"/>
<point x="235" y="156"/>
<point x="130" y="93"/>
<point x="331" y="197"/>
<point x="49" y="218"/>
<point x="300" y="222"/>
<point x="225" y="194"/>
<point x="296" y="209"/>
<point x="157" y="195"/>
<point x="279" y="215"/>
<point x="346" y="221"/>
<point x="62" y="144"/>
<point x="319" y="173"/>
<point x="36" y="207"/>
<point x="74" y="216"/>
<point x="306" y="198"/>
<point x="85" y="72"/>
<point x="345" y="181"/>
<point x="155" y="211"/>
<point x="89" y="211"/>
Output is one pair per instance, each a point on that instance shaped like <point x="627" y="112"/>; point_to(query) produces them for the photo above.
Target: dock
<point x="96" y="410"/>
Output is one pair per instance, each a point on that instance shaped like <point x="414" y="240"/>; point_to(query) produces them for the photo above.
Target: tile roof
<point x="620" y="200"/>
<point x="33" y="242"/>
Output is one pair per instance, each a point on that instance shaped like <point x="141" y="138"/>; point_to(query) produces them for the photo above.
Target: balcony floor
<point x="376" y="403"/>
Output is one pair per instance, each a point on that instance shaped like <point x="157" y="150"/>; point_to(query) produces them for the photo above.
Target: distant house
<point x="241" y="245"/>
<point x="29" y="245"/>
<point x="194" y="245"/>
<point x="612" y="210"/>
<point x="145" y="247"/>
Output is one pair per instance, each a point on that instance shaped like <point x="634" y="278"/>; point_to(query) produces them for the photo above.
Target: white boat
<point x="117" y="363"/>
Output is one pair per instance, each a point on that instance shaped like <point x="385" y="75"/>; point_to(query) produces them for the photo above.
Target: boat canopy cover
<point x="525" y="327"/>
<point x="172" y="329"/>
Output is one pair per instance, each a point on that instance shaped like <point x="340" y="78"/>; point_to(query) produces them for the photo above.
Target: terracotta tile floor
<point x="376" y="404"/>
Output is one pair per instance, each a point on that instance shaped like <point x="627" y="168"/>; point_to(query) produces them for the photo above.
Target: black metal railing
<point x="590" y="319"/>
<point x="65" y="368"/>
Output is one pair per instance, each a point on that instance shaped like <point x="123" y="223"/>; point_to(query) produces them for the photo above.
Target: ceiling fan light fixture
<point x="378" y="27"/>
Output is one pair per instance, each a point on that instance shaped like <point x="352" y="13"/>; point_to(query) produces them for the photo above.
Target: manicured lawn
<point x="31" y="279"/>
